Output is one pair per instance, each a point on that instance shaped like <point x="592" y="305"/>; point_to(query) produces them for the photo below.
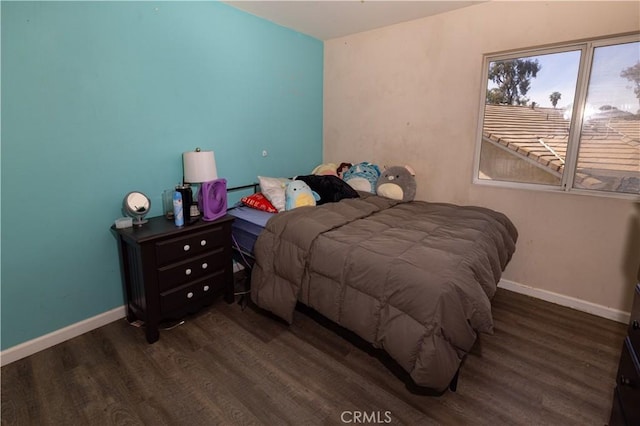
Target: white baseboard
<point x="48" y="340"/>
<point x="568" y="301"/>
<point x="43" y="342"/>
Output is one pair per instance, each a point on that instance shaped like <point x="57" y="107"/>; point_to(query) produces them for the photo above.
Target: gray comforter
<point x="414" y="279"/>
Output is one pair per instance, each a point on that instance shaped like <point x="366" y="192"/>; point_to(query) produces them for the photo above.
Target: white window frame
<point x="586" y="47"/>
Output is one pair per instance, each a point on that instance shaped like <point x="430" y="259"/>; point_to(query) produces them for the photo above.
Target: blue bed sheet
<point x="248" y="224"/>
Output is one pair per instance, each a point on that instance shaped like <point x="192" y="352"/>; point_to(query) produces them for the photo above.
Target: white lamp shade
<point x="199" y="166"/>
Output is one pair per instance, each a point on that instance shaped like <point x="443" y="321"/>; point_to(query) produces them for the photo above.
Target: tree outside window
<point x="529" y="134"/>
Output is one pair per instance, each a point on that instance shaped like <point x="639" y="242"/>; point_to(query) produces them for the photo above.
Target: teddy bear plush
<point x="397" y="183"/>
<point x="297" y="194"/>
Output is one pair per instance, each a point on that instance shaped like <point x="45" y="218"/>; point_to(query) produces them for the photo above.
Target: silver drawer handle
<point x="204" y="265"/>
<point x="189" y="295"/>
<point x="203" y="243"/>
<point x="187" y="271"/>
<point x="206" y="288"/>
<point x="186" y="247"/>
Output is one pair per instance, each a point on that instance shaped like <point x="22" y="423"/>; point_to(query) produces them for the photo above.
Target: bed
<point x="414" y="279"/>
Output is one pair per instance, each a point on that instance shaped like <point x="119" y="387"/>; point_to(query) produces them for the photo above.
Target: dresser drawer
<point x="192" y="293"/>
<point x="634" y="323"/>
<point x="190" y="269"/>
<point x="628" y="384"/>
<point x="169" y="251"/>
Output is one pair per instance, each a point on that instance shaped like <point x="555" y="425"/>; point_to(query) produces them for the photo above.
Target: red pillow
<point x="260" y="202"/>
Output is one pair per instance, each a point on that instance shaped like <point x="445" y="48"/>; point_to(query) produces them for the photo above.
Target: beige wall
<point x="410" y="94"/>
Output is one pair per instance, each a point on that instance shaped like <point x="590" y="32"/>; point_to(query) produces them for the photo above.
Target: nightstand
<point x="169" y="272"/>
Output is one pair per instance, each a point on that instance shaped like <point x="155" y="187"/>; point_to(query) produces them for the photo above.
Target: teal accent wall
<point x="101" y="98"/>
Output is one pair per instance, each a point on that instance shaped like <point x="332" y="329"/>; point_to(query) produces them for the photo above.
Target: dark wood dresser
<point x="626" y="397"/>
<point x="169" y="272"/>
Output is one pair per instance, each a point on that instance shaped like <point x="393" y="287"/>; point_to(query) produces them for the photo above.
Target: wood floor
<point x="543" y="365"/>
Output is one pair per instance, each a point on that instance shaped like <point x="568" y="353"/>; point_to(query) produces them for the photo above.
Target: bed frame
<point x="242" y="279"/>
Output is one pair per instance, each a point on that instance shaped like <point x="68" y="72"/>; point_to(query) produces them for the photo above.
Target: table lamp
<point x="198" y="167"/>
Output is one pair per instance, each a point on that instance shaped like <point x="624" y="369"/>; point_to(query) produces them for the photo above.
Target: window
<point x="565" y="118"/>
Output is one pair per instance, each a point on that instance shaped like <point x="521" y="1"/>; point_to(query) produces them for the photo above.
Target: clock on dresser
<point x="170" y="271"/>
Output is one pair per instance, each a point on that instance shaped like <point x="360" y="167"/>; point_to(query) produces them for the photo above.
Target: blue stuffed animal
<point x="362" y="177"/>
<point x="298" y="194"/>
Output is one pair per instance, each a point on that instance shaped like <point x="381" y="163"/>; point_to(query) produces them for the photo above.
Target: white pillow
<point x="273" y="189"/>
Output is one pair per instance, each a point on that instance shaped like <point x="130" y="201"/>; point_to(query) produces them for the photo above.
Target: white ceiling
<point x="327" y="19"/>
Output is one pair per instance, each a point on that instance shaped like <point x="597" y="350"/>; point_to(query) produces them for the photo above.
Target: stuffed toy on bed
<point x="298" y="194"/>
<point x="397" y="183"/>
<point x="326" y="169"/>
<point x="362" y="177"/>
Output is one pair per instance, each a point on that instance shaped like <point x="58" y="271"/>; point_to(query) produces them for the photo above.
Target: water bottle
<point x="178" y="216"/>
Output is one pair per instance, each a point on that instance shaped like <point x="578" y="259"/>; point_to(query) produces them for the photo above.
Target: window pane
<point x="526" y="128"/>
<point x="609" y="153"/>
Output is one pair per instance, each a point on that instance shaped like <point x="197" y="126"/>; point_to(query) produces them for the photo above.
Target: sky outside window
<point x="559" y="73"/>
<point x="606" y="86"/>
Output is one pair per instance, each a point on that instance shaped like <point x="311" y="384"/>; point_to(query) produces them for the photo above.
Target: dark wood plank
<point x="544" y="364"/>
